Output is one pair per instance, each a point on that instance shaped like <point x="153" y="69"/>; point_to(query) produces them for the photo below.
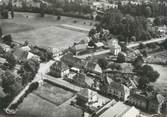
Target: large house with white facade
<point x="114" y="46"/>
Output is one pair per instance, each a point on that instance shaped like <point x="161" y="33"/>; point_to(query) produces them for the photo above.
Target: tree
<point x="10" y="58"/>
<point x="153" y="76"/>
<point x="165" y="43"/>
<point x="7" y="39"/>
<point x="103" y="63"/>
<point x="9" y="84"/>
<point x="28" y="70"/>
<point x="143" y="82"/>
<point x="147" y="75"/>
<point x="120" y="58"/>
<point x="2" y="51"/>
<point x="33" y="86"/>
<point x="91" y="32"/>
<point x="91" y="44"/>
<point x="144" y="53"/>
<point x="0" y="32"/>
<point x="142" y="46"/>
<point x="157" y="21"/>
<point x="58" y="17"/>
<point x="42" y="8"/>
<point x="4" y="13"/>
<point x="148" y="11"/>
<point x="138" y="62"/>
<point x="147" y="68"/>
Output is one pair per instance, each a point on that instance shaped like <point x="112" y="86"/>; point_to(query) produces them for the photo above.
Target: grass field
<point x="34" y="106"/>
<point x="53" y="94"/>
<point x="48" y="101"/>
<point x="44" y="31"/>
<point x="50" y="36"/>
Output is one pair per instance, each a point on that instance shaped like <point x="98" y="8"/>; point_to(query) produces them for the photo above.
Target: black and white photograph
<point x="83" y="58"/>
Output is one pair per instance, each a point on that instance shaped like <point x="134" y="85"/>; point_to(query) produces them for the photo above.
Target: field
<point x="44" y="31"/>
<point x="34" y="106"/>
<point x="53" y="94"/>
<point x="48" y="101"/>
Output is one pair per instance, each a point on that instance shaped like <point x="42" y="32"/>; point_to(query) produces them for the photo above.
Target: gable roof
<point x="119" y="87"/>
<point x="126" y="67"/>
<point x="69" y="59"/>
<point x="92" y="66"/>
<point x="86" y="93"/>
<point x="116" y="111"/>
<point x="80" y="47"/>
<point x="26" y="48"/>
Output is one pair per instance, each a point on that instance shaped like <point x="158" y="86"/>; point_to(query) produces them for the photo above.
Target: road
<point x="128" y="46"/>
<point x="147" y="42"/>
<point x="95" y="54"/>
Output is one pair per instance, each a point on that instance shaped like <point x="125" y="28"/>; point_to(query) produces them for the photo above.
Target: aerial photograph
<point x="83" y="58"/>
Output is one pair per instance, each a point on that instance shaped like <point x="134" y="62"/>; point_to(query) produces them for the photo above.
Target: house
<point x="118" y="90"/>
<point x="138" y="99"/>
<point x="120" y="110"/>
<point x="84" y="96"/>
<point x="26" y="48"/>
<point x="115" y="48"/>
<point x="154" y="103"/>
<point x="79" y="48"/>
<point x="99" y="45"/>
<point x="2" y="61"/>
<point x="5" y="47"/>
<point x="31" y="55"/>
<point x="126" y="68"/>
<point x="90" y="100"/>
<point x="59" y="69"/>
<point x="72" y="61"/>
<point x="161" y="30"/>
<point x="93" y="67"/>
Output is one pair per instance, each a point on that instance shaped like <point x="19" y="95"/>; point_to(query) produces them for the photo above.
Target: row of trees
<point x="11" y="87"/>
<point x="162" y="20"/>
<point x="13" y="83"/>
<point x="126" y="27"/>
<point x="71" y="7"/>
<point x="45" y="54"/>
<point x="153" y="9"/>
<point x="28" y="70"/>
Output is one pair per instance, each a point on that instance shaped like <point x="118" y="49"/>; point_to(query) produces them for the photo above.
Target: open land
<point x="48" y="101"/>
<point x="47" y="31"/>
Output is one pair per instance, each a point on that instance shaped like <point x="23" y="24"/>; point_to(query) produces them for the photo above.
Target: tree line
<point x="127" y="27"/>
<point x="153" y="9"/>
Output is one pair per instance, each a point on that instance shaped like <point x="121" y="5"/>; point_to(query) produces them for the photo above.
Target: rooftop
<point x="116" y="111"/>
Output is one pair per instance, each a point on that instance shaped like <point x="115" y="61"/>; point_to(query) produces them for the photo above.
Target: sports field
<point x="45" y="31"/>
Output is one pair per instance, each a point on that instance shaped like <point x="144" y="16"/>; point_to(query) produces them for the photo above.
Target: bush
<point x="4" y="14"/>
<point x="7" y="39"/>
<point x="58" y="17"/>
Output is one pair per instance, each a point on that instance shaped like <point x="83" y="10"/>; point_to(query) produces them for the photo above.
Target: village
<point x="102" y="75"/>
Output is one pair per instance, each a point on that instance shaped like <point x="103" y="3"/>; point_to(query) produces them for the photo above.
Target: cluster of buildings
<point x="117" y="81"/>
